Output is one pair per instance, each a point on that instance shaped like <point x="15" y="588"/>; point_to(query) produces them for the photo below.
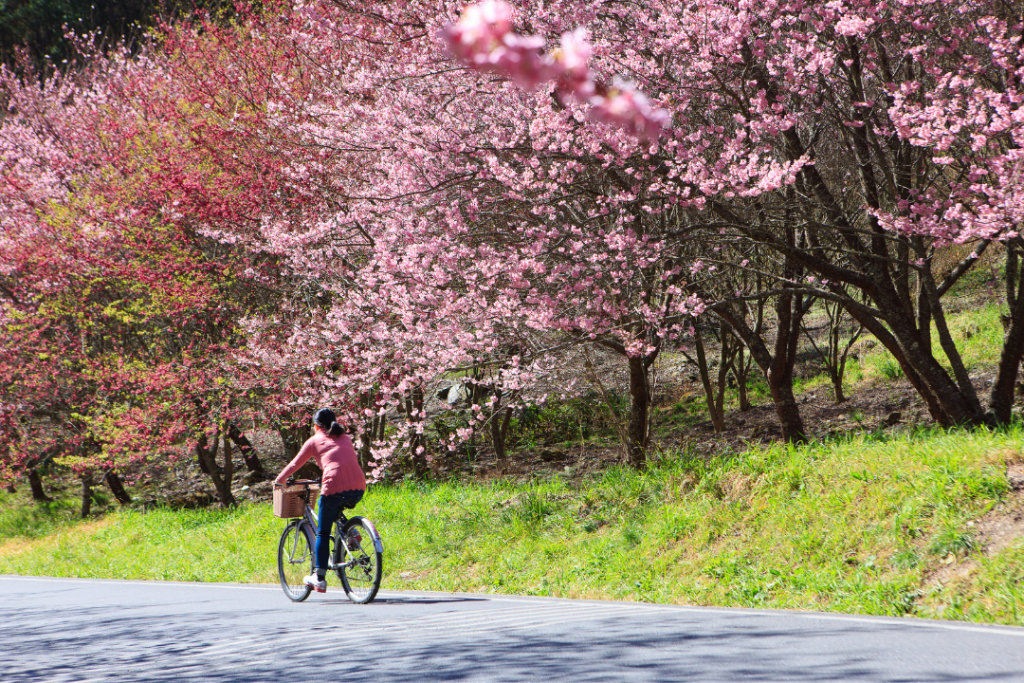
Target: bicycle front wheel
<point x="362" y="564"/>
<point x="295" y="560"/>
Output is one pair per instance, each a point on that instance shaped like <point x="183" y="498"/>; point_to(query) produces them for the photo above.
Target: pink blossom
<point x="853" y="26"/>
<point x="574" y="59"/>
<point x="483" y="38"/>
<point x="626" y="107"/>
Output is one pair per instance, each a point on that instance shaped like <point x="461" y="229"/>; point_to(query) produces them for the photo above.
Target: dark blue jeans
<point x="329" y="508"/>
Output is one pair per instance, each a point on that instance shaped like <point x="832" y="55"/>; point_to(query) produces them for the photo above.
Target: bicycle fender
<point x="305" y="528"/>
<point x="378" y="544"/>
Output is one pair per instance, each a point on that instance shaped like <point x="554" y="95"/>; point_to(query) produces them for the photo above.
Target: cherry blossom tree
<point x="852" y="139"/>
<point x="466" y="239"/>
<point x="331" y="203"/>
<point x="115" y="322"/>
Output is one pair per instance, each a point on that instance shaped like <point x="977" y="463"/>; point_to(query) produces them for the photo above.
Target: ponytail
<point x="335" y="429"/>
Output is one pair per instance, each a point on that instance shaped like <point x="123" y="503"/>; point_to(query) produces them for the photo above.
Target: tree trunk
<point x="116" y="487"/>
<point x="836" y="364"/>
<point x="882" y="334"/>
<point x="837" y="388"/>
<point x="963" y="379"/>
<point x="788" y="312"/>
<point x="500" y="419"/>
<point x="639" y="406"/>
<point x="956" y="408"/>
<point x="417" y="442"/>
<point x="725" y="361"/>
<point x="778" y="366"/>
<point x="786" y="409"/>
<point x="229" y="464"/>
<point x="742" y="377"/>
<point x="204" y="466"/>
<point x="248" y="451"/>
<point x="35" y="482"/>
<point x="365" y="444"/>
<point x="292" y="439"/>
<point x="907" y="336"/>
<point x="717" y="419"/>
<point x="87" y="484"/>
<point x="11" y="488"/>
<point x="208" y="454"/>
<point x="1001" y="398"/>
<point x="369" y="431"/>
<point x="499" y="434"/>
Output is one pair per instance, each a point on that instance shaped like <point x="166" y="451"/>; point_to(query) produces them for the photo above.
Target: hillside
<point x="928" y="525"/>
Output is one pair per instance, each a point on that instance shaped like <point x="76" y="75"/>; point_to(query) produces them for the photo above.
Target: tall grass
<point x="21" y="518"/>
<point x="160" y="544"/>
<point x="853" y="526"/>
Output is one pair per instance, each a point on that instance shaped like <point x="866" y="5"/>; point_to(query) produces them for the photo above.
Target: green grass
<point x="852" y="526"/>
<point x="978" y="335"/>
<point x="160" y="544"/>
<point x="21" y="518"/>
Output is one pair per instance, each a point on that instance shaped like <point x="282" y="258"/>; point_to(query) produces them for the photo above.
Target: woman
<point x="342" y="485"/>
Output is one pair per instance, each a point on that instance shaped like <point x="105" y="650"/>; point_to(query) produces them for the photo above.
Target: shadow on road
<point x="193" y="641"/>
<point x="403" y="601"/>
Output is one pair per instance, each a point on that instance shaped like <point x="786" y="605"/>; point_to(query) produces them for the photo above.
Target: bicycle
<point x="356" y="553"/>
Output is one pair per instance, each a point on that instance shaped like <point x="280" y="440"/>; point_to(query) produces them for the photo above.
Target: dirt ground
<point x="993" y="532"/>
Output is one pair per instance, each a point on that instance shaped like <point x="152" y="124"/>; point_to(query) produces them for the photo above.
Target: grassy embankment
<point x="859" y="526"/>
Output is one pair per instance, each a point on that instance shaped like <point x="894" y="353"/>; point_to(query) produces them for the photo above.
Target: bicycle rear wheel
<point x="361" y="566"/>
<point x="295" y="560"/>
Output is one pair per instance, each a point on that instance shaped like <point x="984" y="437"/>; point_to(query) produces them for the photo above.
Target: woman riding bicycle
<point x="342" y="485"/>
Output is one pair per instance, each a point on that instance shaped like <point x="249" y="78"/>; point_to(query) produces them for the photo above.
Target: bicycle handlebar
<point x="291" y="481"/>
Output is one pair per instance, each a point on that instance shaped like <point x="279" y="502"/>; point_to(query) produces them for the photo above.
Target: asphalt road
<point x="58" y="630"/>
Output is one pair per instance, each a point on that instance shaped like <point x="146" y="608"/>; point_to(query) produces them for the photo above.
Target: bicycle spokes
<point x="295" y="561"/>
<point x="297" y="554"/>
<point x="361" y="572"/>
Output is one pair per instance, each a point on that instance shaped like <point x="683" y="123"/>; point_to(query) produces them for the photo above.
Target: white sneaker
<point x="317" y="584"/>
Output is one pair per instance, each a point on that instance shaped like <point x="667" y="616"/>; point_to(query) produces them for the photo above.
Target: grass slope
<point x="860" y="526"/>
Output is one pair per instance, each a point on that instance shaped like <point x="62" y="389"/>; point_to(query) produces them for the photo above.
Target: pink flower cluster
<point x="626" y="107"/>
<point x="483" y="39"/>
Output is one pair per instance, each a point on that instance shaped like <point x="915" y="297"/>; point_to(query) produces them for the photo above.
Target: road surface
<point x="63" y="630"/>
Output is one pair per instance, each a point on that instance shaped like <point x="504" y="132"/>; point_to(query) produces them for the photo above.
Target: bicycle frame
<point x="310" y="518"/>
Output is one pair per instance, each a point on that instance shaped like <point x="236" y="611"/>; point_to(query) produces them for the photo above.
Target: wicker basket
<point x="288" y="504"/>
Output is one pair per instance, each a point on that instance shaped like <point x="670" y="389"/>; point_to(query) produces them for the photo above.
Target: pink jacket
<point x="336" y="457"/>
